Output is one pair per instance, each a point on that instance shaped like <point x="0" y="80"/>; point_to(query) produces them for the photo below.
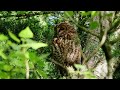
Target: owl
<point x="66" y="45"/>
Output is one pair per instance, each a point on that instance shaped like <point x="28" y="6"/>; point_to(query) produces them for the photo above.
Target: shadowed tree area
<point x="59" y="44"/>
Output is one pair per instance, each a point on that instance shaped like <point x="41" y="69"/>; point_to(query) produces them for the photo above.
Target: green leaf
<point x="27" y="54"/>
<point x="21" y="12"/>
<point x="78" y="66"/>
<point x="28" y="40"/>
<point x="38" y="45"/>
<point x="1" y="64"/>
<point x="18" y="63"/>
<point x="16" y="55"/>
<point x="14" y="46"/>
<point x="4" y="75"/>
<point x="89" y="75"/>
<point x="13" y="36"/>
<point x="26" y="33"/>
<point x="93" y="13"/>
<point x="94" y="25"/>
<point x="68" y="13"/>
<point x="35" y="59"/>
<point x="34" y="45"/>
<point x="83" y="13"/>
<point x="7" y="67"/>
<point x="42" y="73"/>
<point x="2" y="54"/>
<point x="3" y="37"/>
<point x="19" y="70"/>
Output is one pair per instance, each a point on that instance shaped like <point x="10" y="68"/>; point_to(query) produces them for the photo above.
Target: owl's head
<point x="61" y="27"/>
<point x="64" y="29"/>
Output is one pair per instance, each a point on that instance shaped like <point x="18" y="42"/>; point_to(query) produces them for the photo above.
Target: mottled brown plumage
<point x="66" y="45"/>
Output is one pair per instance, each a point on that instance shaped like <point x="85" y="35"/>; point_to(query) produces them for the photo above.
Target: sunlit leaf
<point x="26" y="33"/>
<point x="34" y="45"/>
<point x="38" y="45"/>
<point x="93" y="13"/>
<point x="89" y="75"/>
<point x="9" y="42"/>
<point x="13" y="36"/>
<point x="27" y="40"/>
<point x="7" y="67"/>
<point x="94" y="25"/>
<point x="83" y="13"/>
<point x="14" y="46"/>
<point x="26" y="54"/>
<point x="78" y="66"/>
<point x="68" y="13"/>
<point x="3" y="37"/>
<point x="2" y="54"/>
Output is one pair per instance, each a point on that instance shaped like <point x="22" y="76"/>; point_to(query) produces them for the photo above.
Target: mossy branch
<point x="99" y="46"/>
<point x="114" y="26"/>
<point x="115" y="40"/>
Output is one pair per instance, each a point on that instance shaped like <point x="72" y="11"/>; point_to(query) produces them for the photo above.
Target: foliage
<point x="26" y="41"/>
<point x="14" y="65"/>
<point x="81" y="73"/>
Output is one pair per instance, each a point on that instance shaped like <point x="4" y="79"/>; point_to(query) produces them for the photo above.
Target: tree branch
<point x="114" y="26"/>
<point x="26" y="15"/>
<point x="115" y="40"/>
<point x="83" y="56"/>
<point x="82" y="28"/>
<point x="99" y="46"/>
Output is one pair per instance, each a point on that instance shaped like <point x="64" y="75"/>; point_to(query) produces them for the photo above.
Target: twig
<point x="58" y="64"/>
<point x="88" y="31"/>
<point x="83" y="56"/>
<point x="27" y="68"/>
<point x="100" y="22"/>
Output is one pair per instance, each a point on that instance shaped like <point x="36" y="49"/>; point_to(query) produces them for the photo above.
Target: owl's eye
<point x="62" y="28"/>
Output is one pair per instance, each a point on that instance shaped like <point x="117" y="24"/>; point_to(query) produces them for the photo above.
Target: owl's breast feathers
<point x="66" y="44"/>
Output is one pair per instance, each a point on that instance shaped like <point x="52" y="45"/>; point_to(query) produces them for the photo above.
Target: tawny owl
<point x="66" y="45"/>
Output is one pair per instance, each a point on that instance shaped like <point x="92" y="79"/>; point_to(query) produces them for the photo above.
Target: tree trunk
<point x="110" y="71"/>
<point x="112" y="65"/>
